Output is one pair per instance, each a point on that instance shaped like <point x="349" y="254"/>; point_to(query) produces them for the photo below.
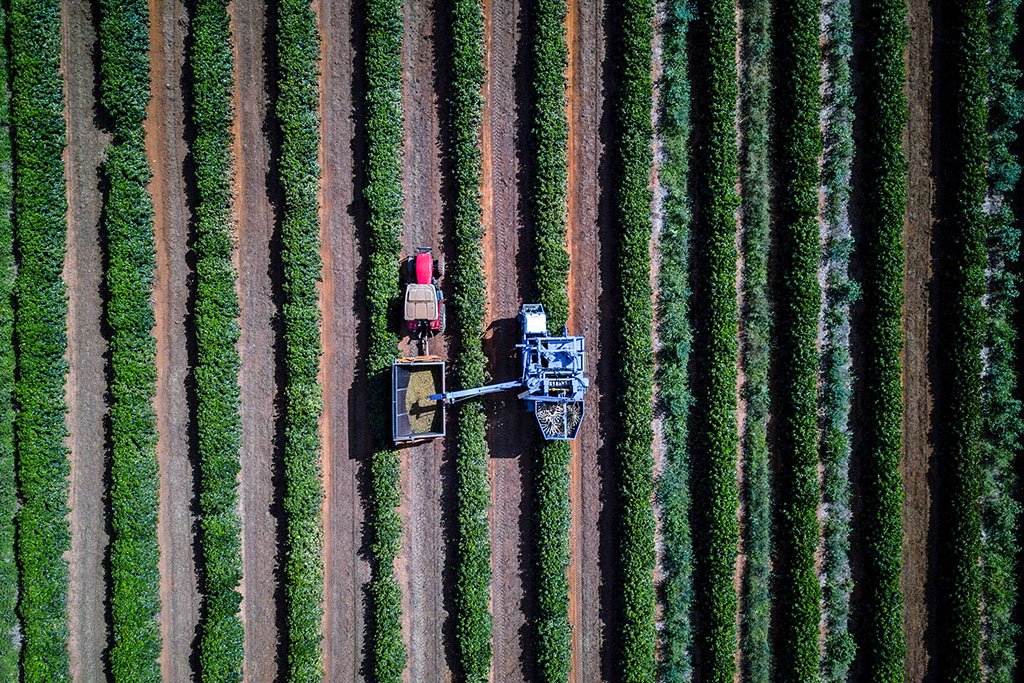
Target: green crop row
<point x="714" y="359"/>
<point x="835" y="390"/>
<point x="885" y="201"/>
<point x="219" y="422"/>
<point x="550" y="135"/>
<point x="755" y="338"/>
<point x="634" y="157"/>
<point x="674" y="398"/>
<point x="1002" y="428"/>
<point x="473" y="623"/>
<point x="963" y="276"/>
<point x="297" y="111"/>
<point x="797" y="307"/>
<point x="8" y="498"/>
<point x="384" y="198"/>
<point x="40" y="207"/>
<point x="128" y="223"/>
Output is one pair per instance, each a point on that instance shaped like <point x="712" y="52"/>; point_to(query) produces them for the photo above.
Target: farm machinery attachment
<point x="553" y="383"/>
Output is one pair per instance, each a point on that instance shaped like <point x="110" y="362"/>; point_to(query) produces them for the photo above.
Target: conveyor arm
<point x="453" y="396"/>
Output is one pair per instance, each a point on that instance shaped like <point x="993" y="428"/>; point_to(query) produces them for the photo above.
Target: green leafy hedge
<point x="385" y="201"/>
<point x="635" y="358"/>
<point x="550" y="137"/>
<point x="885" y="201"/>
<point x="473" y="623"/>
<point x="962" y="274"/>
<point x="9" y="649"/>
<point x="219" y="421"/>
<point x="755" y="338"/>
<point x="674" y="398"/>
<point x="40" y="207"/>
<point x="128" y="222"/>
<point x="297" y="110"/>
<point x="714" y="358"/>
<point x="1001" y="408"/>
<point x="797" y="306"/>
<point x="835" y="390"/>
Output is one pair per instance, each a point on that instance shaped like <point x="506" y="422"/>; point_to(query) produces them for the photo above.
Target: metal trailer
<point x="415" y="414"/>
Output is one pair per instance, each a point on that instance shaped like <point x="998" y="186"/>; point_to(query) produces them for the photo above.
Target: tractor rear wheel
<point x="442" y="314"/>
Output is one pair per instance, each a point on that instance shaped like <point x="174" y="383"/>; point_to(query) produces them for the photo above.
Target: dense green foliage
<point x="885" y="201"/>
<point x="128" y="223"/>
<point x="797" y="307"/>
<point x="40" y="206"/>
<point x="473" y="551"/>
<point x="962" y="277"/>
<point x="755" y="339"/>
<point x="385" y="202"/>
<point x="714" y="359"/>
<point x="8" y="499"/>
<point x="673" y="486"/>
<point x="634" y="357"/>
<point x="835" y="392"/>
<point x="550" y="134"/>
<point x="218" y="418"/>
<point x="297" y="110"/>
<point x="1001" y="407"/>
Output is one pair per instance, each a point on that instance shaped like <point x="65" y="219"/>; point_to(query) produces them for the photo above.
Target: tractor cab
<point x="423" y="309"/>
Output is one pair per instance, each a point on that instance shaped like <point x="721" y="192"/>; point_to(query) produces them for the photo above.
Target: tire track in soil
<point x="592" y="594"/>
<point x="917" y="384"/>
<point x="255" y="222"/>
<point x="344" y="425"/>
<point x="508" y="269"/>
<point x="427" y="476"/>
<point x="86" y="384"/>
<point x="166" y="149"/>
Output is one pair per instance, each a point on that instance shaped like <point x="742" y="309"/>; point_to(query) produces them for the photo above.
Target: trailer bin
<point x="414" y="415"/>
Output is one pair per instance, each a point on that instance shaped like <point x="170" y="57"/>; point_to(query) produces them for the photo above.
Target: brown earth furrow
<point x="590" y="283"/>
<point x="255" y="225"/>
<point x="344" y="425"/>
<point x="166" y="149"/>
<point x="510" y="431"/>
<point x="918" y="389"/>
<point x="86" y="383"/>
<point x="426" y="474"/>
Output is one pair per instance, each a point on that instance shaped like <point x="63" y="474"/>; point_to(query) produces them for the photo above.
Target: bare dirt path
<point x="344" y="427"/>
<point x="591" y="285"/>
<point x="86" y="384"/>
<point x="255" y="226"/>
<point x="918" y="392"/>
<point x="507" y="250"/>
<point x="427" y="475"/>
<point x="167" y="150"/>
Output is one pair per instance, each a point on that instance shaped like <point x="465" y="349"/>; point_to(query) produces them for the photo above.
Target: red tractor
<point x="423" y="309"/>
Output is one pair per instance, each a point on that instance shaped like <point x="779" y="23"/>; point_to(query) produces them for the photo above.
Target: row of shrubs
<point x="218" y="416"/>
<point x="1001" y="408"/>
<point x="633" y="158"/>
<point x="714" y="357"/>
<point x="550" y="136"/>
<point x="962" y="278"/>
<point x="384" y="199"/>
<point x="797" y="308"/>
<point x="40" y="208"/>
<point x="8" y="498"/>
<point x="297" y="113"/>
<point x="884" y="108"/>
<point x="835" y="394"/>
<point x="473" y="623"/>
<point x="674" y="397"/>
<point x="131" y="262"/>
<point x="755" y="338"/>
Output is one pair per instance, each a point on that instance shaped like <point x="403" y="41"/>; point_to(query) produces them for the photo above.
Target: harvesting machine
<point x="553" y="383"/>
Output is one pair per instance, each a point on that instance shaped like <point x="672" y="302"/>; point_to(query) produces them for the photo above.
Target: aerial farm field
<point x="233" y="231"/>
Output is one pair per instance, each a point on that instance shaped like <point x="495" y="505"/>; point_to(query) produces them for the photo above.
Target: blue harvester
<point x="553" y="382"/>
